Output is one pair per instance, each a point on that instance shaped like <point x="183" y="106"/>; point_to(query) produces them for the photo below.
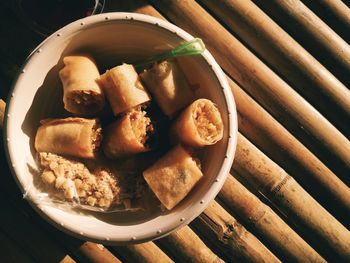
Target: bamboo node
<point x="231" y="232"/>
<point x="275" y="190"/>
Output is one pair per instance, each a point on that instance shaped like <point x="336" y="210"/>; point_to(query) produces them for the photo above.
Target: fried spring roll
<point x="123" y="88"/>
<point x="128" y="135"/>
<point x="167" y="84"/>
<point x="173" y="176"/>
<point x="81" y="93"/>
<point x="199" y="124"/>
<point x="76" y="137"/>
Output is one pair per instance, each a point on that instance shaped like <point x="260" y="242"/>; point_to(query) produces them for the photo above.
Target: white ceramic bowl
<point x="112" y="38"/>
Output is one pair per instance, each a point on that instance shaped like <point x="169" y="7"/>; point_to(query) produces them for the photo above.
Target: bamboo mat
<point x="287" y="197"/>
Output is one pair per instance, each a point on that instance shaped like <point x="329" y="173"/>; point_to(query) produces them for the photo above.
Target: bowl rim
<point x="223" y="172"/>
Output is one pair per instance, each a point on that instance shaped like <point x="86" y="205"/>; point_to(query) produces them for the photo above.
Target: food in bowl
<point x="173" y="176"/>
<point x="81" y="94"/>
<point x="77" y="137"/>
<point x="89" y="183"/>
<point x="170" y="178"/>
<point x="123" y="88"/>
<point x="168" y="86"/>
<point x="200" y="124"/>
<point x="37" y="93"/>
<point x="130" y="134"/>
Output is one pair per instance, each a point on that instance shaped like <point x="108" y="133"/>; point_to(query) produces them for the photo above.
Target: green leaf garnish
<point x="187" y="48"/>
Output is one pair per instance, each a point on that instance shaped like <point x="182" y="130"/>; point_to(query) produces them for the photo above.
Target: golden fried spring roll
<point x="81" y="93"/>
<point x="167" y="84"/>
<point x="76" y="137"/>
<point x="199" y="124"/>
<point x="128" y="135"/>
<point x="173" y="176"/>
<point x="123" y="88"/>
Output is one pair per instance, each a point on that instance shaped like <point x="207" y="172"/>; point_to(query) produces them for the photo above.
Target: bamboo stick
<point x="232" y="238"/>
<point x="257" y="124"/>
<point x="97" y="253"/>
<point x="289" y="197"/>
<point x="335" y="13"/>
<point x="144" y="253"/>
<point x="2" y="111"/>
<point x="67" y="259"/>
<point x="287" y="57"/>
<point x="264" y="85"/>
<point x="288" y="244"/>
<point x="312" y="33"/>
<point x="185" y="246"/>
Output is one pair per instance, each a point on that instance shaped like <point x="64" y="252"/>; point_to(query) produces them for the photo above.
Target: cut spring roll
<point x="128" y="135"/>
<point x="199" y="124"/>
<point x="77" y="137"/>
<point x="167" y="84"/>
<point x="123" y="88"/>
<point x="173" y="176"/>
<point x="81" y="93"/>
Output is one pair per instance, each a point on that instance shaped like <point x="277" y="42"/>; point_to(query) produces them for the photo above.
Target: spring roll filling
<point x="94" y="184"/>
<point x="83" y="101"/>
<point x="142" y="127"/>
<point x="96" y="137"/>
<point x="207" y="120"/>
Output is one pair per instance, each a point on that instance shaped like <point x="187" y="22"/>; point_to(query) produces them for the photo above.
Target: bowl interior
<point x="112" y="39"/>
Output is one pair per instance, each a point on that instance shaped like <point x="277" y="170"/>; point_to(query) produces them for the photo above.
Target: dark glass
<point x="46" y="16"/>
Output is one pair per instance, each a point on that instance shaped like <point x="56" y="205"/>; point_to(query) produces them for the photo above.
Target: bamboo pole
<point x="287" y="57"/>
<point x="234" y="240"/>
<point x="335" y="13"/>
<point x="185" y="246"/>
<point x="257" y="124"/>
<point x="264" y="85"/>
<point x="2" y="112"/>
<point x="290" y="198"/>
<point x="144" y="253"/>
<point x="67" y="259"/>
<point x="97" y="253"/>
<point x="314" y="34"/>
<point x="289" y="245"/>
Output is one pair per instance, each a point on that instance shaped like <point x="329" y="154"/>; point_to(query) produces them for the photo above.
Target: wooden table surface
<point x="287" y="197"/>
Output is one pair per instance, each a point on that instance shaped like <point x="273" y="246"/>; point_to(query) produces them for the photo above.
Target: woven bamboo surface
<point x="287" y="197"/>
